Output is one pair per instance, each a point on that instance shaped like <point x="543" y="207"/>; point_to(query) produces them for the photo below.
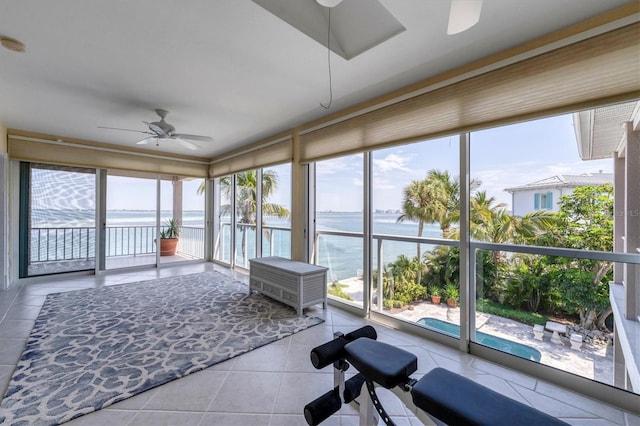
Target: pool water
<point x="504" y="345"/>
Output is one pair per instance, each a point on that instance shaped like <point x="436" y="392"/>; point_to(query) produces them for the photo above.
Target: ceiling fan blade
<point x="146" y="140"/>
<point x="463" y="15"/>
<point x="156" y="129"/>
<point x="193" y="137"/>
<point x="126" y="130"/>
<point x="188" y="144"/>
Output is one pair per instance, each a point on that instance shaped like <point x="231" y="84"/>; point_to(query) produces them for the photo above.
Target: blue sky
<point x="500" y="157"/>
<point x="140" y="194"/>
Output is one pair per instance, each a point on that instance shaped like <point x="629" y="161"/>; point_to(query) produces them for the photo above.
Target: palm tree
<point x="424" y="201"/>
<point x="451" y="186"/>
<point x="451" y="193"/>
<point x="483" y="211"/>
<point x="247" y="199"/>
<point x="490" y="221"/>
<point x="436" y="199"/>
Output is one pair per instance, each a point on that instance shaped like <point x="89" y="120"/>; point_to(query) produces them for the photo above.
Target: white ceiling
<point x="227" y="68"/>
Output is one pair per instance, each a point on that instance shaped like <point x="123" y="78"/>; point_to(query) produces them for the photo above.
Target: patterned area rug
<point x="91" y="348"/>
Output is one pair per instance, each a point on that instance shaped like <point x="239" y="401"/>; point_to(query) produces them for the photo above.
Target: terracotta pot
<point x="451" y="303"/>
<point x="168" y="246"/>
<point x="436" y="299"/>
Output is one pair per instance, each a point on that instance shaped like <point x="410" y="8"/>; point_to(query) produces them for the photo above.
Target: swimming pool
<point x="504" y="345"/>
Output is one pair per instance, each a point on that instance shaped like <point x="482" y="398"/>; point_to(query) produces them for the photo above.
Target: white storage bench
<point x="296" y="284"/>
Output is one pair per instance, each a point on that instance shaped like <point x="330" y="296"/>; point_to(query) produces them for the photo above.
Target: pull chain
<point x="329" y="65"/>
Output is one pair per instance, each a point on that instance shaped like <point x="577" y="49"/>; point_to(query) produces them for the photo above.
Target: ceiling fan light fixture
<point x="165" y="131"/>
<point x="329" y="3"/>
<point x="463" y="15"/>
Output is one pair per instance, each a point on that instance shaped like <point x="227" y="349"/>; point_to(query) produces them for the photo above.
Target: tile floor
<point x="249" y="391"/>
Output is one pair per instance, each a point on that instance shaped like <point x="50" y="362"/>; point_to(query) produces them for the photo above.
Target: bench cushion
<point x="381" y="363"/>
<point x="455" y="400"/>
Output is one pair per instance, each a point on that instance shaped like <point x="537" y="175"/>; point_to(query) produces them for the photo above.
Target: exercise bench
<point x="439" y="397"/>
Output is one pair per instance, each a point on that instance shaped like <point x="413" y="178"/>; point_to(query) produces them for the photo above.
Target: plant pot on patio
<point x="169" y="237"/>
<point x="452" y="294"/>
<point x="168" y="246"/>
<point x="436" y="295"/>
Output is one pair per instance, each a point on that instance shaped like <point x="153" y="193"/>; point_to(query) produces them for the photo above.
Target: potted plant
<point x="169" y="237"/>
<point x="436" y="295"/>
<point x="451" y="293"/>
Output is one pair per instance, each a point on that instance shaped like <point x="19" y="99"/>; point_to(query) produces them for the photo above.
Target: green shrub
<point x="336" y="289"/>
<point x="451" y="291"/>
<point x="490" y="307"/>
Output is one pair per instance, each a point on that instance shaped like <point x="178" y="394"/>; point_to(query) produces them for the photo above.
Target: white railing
<point x="58" y="244"/>
<point x="275" y="242"/>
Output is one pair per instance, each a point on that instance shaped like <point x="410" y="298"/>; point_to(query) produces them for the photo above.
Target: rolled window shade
<point x="601" y="69"/>
<point x="69" y="154"/>
<point x="268" y="155"/>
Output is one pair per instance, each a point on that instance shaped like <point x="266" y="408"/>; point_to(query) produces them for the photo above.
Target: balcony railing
<point x="63" y="244"/>
<point x="276" y="241"/>
<point x="51" y="244"/>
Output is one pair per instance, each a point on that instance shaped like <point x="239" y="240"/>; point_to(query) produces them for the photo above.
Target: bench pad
<point x="381" y="363"/>
<point x="455" y="400"/>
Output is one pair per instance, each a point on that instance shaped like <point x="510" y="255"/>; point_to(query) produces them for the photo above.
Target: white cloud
<point x="392" y="162"/>
<point x="332" y="167"/>
<point x="380" y="183"/>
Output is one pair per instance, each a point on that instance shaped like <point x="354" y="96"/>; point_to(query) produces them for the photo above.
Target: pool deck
<point x="591" y="361"/>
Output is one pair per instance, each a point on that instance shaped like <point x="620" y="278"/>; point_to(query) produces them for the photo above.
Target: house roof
<point x="599" y="131"/>
<point x="565" y="181"/>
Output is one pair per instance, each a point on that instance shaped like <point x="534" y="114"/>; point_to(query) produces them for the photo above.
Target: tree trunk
<point x="534" y="300"/>
<point x="602" y="317"/>
<point x="587" y="319"/>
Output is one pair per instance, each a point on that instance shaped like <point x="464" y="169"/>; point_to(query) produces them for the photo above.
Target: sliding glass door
<point x="57" y="219"/>
<point x="130" y="232"/>
<point x="189" y="195"/>
<point x="59" y="215"/>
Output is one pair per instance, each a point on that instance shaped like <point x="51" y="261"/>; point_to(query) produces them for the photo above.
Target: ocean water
<point x="73" y="218"/>
<point x="343" y="255"/>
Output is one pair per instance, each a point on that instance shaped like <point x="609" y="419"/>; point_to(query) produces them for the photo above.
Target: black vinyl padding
<point x="381" y="363"/>
<point x="333" y="350"/>
<point x="456" y="400"/>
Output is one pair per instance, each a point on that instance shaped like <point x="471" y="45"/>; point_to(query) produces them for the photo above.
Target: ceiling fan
<point x="163" y="130"/>
<point x="463" y="14"/>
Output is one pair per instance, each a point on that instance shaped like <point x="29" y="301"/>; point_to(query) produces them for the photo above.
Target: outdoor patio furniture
<point x="576" y="341"/>
<point x="538" y="331"/>
<point x="557" y="328"/>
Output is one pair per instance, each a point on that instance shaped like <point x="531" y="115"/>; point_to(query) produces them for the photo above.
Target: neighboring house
<point x="545" y="194"/>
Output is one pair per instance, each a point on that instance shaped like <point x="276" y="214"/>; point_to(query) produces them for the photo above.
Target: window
<point x="261" y="225"/>
<point x="223" y="208"/>
<point x="416" y="198"/>
<point x="517" y="287"/>
<point x="339" y="242"/>
<point x="543" y="201"/>
<point x="276" y="211"/>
